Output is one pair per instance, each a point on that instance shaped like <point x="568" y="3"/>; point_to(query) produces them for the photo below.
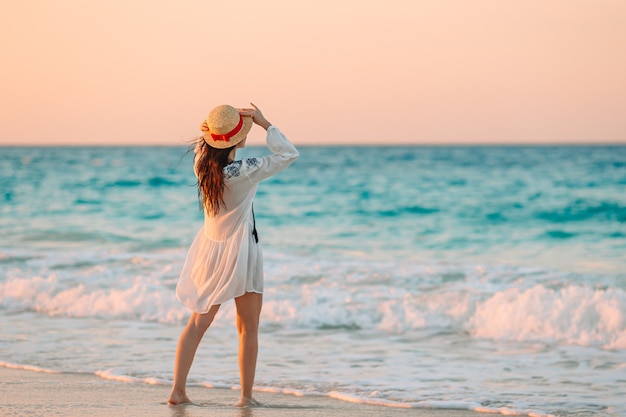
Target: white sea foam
<point x="370" y="318"/>
<point x="113" y="375"/>
<point x="31" y="368"/>
<point x="505" y="411"/>
<point x="117" y="375"/>
<point x="575" y="314"/>
<point x="139" y="301"/>
<point x="488" y="302"/>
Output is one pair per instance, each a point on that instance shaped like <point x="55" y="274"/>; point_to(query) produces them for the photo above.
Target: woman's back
<point x="238" y="195"/>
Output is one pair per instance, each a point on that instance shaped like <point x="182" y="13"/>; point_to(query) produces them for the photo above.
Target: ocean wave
<point x="559" y="234"/>
<point x="396" y="211"/>
<point x="160" y="182"/>
<point x="574" y="314"/>
<point x="123" y="183"/>
<point x="141" y="301"/>
<point x="85" y="201"/>
<point x="508" y="306"/>
<point x="582" y="210"/>
<point x="31" y="368"/>
<point x="71" y="236"/>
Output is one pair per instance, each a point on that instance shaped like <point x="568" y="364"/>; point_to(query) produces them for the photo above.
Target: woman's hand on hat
<point x="257" y="116"/>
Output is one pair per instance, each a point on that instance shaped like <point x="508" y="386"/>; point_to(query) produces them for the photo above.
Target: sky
<point x="110" y="72"/>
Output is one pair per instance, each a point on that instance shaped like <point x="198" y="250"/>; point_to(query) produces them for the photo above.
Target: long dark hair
<point x="210" y="163"/>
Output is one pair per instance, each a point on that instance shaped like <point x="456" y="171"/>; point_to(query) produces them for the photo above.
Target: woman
<point x="225" y="261"/>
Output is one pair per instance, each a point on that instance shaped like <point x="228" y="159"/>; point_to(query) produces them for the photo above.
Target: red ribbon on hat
<point x="226" y="137"/>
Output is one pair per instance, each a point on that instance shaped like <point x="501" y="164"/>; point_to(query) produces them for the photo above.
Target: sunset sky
<point x="324" y="71"/>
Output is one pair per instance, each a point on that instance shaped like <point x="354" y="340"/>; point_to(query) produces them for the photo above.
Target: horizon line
<point x="330" y="145"/>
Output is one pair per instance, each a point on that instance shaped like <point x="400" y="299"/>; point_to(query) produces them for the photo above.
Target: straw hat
<point x="225" y="127"/>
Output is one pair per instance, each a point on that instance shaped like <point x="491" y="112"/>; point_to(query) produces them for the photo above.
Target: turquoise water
<point x="532" y="205"/>
<point x="427" y="276"/>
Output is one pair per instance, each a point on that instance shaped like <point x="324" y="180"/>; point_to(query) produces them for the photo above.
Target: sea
<point x="487" y="278"/>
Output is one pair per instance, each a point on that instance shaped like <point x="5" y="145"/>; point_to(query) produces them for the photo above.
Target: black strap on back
<point x="254" y="233"/>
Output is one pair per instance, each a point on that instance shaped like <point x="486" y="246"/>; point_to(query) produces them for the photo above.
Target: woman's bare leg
<point x="185" y="352"/>
<point x="248" y="314"/>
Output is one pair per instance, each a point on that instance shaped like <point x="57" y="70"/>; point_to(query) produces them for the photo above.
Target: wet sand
<point x="27" y="393"/>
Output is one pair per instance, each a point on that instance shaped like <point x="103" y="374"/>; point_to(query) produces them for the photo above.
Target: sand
<point x="27" y="393"/>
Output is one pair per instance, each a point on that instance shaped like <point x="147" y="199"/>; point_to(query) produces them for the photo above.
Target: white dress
<point x="224" y="260"/>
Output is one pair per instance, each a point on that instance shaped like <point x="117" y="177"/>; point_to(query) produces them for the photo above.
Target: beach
<point x="27" y="393"/>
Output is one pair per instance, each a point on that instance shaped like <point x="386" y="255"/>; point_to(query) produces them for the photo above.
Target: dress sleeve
<point x="283" y="155"/>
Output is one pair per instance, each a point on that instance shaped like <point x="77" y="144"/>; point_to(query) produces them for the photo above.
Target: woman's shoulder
<point x="240" y="166"/>
<point x="251" y="163"/>
<point x="232" y="170"/>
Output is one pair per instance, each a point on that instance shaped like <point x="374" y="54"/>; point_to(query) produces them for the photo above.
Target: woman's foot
<point x="178" y="397"/>
<point x="248" y="402"/>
